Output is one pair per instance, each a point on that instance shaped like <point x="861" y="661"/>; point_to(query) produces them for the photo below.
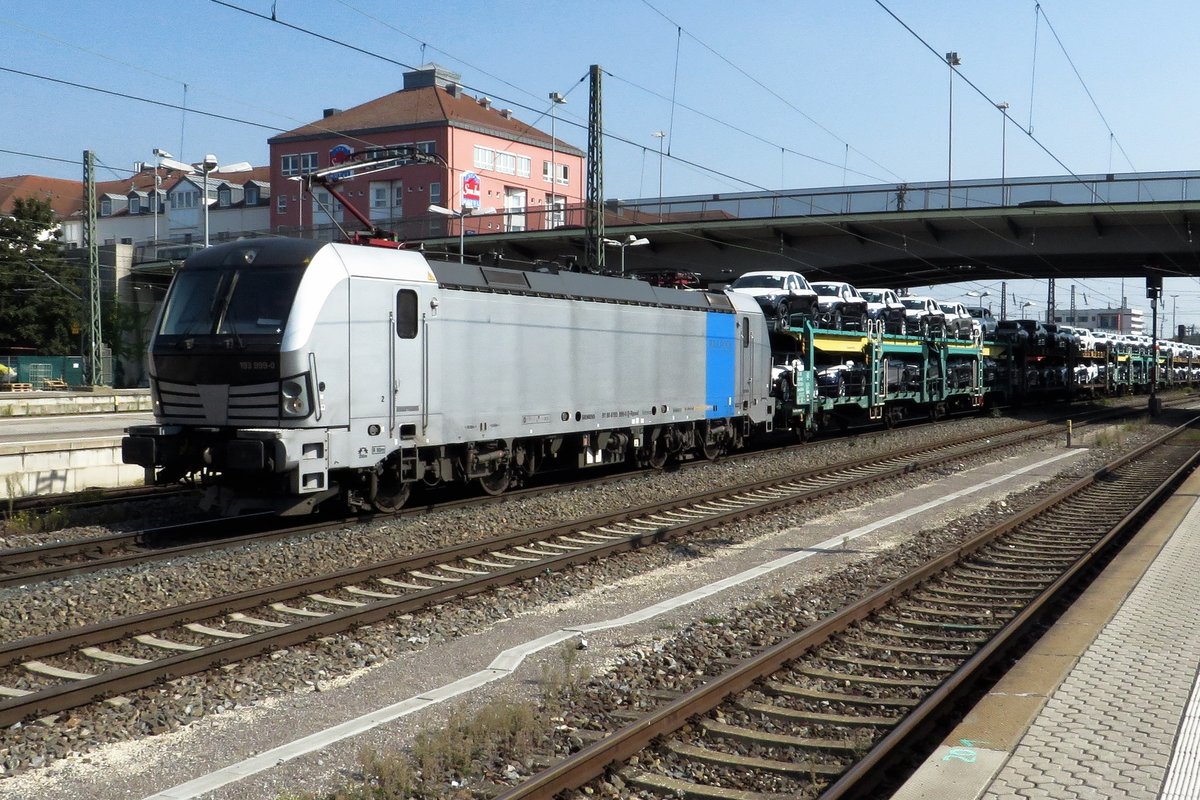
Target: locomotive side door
<point x="386" y="357"/>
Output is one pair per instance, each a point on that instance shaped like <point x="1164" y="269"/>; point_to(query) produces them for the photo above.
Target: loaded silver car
<point x="841" y="306"/>
<point x="884" y="304"/>
<point x="959" y="323"/>
<point x="780" y="293"/>
<point x="923" y="316"/>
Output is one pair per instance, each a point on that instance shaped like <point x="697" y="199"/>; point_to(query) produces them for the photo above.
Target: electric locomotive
<point x="286" y="373"/>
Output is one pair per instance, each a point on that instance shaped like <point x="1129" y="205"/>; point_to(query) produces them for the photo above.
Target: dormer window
<point x="135" y="204"/>
<point x="251" y="194"/>
<point x="223" y="197"/>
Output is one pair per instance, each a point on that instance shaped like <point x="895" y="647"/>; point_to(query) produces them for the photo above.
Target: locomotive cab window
<point x="406" y="314"/>
<point x="745" y="333"/>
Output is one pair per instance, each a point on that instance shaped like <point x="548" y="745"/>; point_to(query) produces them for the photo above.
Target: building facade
<point x="1116" y="320"/>
<point x="454" y="151"/>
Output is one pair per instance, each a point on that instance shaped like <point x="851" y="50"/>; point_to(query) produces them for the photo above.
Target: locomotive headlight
<point x="293" y="397"/>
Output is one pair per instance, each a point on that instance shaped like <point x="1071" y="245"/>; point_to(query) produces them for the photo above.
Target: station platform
<point x="53" y="442"/>
<point x="1106" y="703"/>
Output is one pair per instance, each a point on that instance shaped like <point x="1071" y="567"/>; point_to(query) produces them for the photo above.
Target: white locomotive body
<point x="286" y="372"/>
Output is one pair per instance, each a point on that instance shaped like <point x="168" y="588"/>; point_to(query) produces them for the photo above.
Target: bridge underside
<point x="896" y="249"/>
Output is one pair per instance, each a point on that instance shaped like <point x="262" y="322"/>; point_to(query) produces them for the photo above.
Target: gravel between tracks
<point x="331" y="661"/>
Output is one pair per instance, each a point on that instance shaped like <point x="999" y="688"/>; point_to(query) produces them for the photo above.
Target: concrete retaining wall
<point x="38" y="404"/>
<point x="67" y="466"/>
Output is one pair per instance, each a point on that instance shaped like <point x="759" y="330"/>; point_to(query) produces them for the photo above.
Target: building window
<point x="506" y="163"/>
<point x="106" y="207"/>
<point x="485" y="157"/>
<point x="514" y="209"/>
<point x="126" y="240"/>
<point x="387" y="200"/>
<point x="281" y="204"/>
<point x="308" y="162"/>
<point x="185" y="198"/>
<point x="556" y="215"/>
<point x="290" y="165"/>
<point x="251" y="195"/>
<point x="524" y="166"/>
<point x="561" y="169"/>
<point x="135" y="205"/>
<point x="426" y="148"/>
<point x="224" y="197"/>
<point x="435" y="193"/>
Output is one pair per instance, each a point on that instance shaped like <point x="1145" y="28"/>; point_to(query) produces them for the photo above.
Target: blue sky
<point x="764" y="94"/>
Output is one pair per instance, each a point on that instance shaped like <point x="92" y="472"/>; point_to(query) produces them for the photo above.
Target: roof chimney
<point x="486" y="102"/>
<point x="506" y="113"/>
<point x="329" y="112"/>
<point x="455" y="89"/>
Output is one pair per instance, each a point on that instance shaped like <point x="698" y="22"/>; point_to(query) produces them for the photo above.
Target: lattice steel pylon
<point x="594" y="204"/>
<point x="91" y="247"/>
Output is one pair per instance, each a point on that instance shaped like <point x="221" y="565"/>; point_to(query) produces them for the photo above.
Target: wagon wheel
<point x="497" y="482"/>
<point x="390" y="493"/>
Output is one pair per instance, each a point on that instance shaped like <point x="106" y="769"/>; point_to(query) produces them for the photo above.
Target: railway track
<point x="43" y="562"/>
<point x="56" y="671"/>
<point x="829" y="711"/>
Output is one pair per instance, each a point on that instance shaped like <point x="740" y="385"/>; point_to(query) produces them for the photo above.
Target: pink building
<point x="523" y="175"/>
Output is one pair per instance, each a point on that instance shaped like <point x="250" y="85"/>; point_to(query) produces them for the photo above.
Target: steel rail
<point x="124" y="679"/>
<point x="93" y="553"/>
<point x="592" y="761"/>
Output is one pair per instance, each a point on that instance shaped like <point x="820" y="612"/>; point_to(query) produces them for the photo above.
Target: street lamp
<point x="1003" y="108"/>
<point x="462" y="228"/>
<point x="159" y="155"/>
<point x="556" y="100"/>
<point x="1026" y="305"/>
<point x="980" y="295"/>
<point x="630" y="241"/>
<point x="660" y="135"/>
<point x="1174" y="307"/>
<point x="953" y="60"/>
<point x="206" y="166"/>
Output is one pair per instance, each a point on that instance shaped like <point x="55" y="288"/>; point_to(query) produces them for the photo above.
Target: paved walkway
<point x="1104" y="705"/>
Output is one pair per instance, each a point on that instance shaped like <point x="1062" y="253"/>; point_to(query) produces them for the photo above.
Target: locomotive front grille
<point x="219" y="404"/>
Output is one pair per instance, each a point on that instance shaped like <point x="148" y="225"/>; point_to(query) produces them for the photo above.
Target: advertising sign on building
<point x="470" y="190"/>
<point x="339" y="154"/>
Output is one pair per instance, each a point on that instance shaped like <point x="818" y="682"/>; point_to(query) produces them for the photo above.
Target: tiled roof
<point x="66" y="196"/>
<point x="425" y="106"/>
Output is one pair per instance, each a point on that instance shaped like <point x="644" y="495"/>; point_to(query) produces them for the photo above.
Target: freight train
<point x="287" y="374"/>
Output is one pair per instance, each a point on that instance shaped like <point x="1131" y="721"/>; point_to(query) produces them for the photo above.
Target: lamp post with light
<point x="556" y="100"/>
<point x="462" y="227"/>
<point x="660" y="135"/>
<point x="629" y="241"/>
<point x="953" y="61"/>
<point x="159" y="155"/>
<point x="209" y="164"/>
<point x="1002" y="107"/>
<point x="980" y="296"/>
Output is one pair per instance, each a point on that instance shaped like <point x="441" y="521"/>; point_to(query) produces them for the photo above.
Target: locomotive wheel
<point x="391" y="493"/>
<point x="658" y="451"/>
<point x="711" y="450"/>
<point x="496" y="483"/>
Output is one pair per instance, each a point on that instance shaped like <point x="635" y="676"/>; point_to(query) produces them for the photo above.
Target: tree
<point x="40" y="291"/>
